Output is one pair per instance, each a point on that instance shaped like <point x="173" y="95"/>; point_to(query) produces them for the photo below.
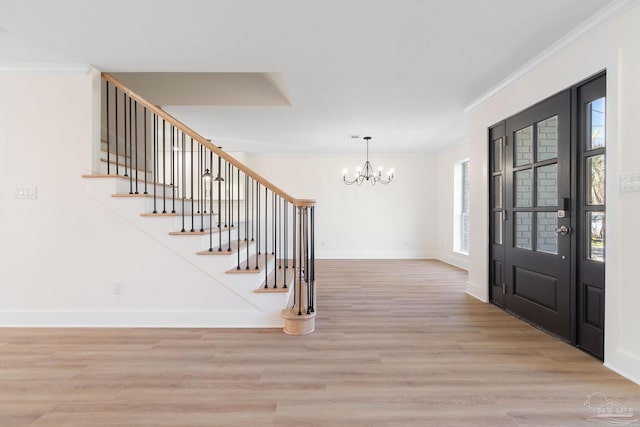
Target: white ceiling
<point x="401" y="71"/>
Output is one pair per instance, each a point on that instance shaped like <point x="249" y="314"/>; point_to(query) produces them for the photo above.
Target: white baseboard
<point x="477" y="291"/>
<point x="141" y="319"/>
<point x="374" y="255"/>
<point x="623" y="363"/>
<point x="452" y="261"/>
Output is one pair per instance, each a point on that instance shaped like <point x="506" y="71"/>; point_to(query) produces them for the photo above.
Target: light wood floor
<point x="397" y="343"/>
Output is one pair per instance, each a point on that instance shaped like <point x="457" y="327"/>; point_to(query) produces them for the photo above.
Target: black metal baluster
<point x="135" y="115"/>
<point x="266" y="221"/>
<point x="253" y="208"/>
<point x="273" y="226"/>
<point x="199" y="177"/>
<point x="108" y="131"/>
<point x="146" y="171"/>
<point x="127" y="159"/>
<point x="294" y="249"/>
<point x="130" y="150"/>
<point x="231" y="199"/>
<point x="286" y="242"/>
<point x="210" y="202"/>
<point x="125" y="146"/>
<point x="257" y="222"/>
<point x="299" y="285"/>
<point x="278" y="233"/>
<point x="155" y="162"/>
<point x="305" y="255"/>
<point x="124" y="113"/>
<point x="164" y="167"/>
<point x="266" y="285"/>
<point x="276" y="203"/>
<point x="239" y="228"/>
<point x="191" y="193"/>
<point x="312" y="262"/>
<point x="219" y="179"/>
<point x="307" y="263"/>
<point x="184" y="180"/>
<point x="204" y="182"/>
<point x="203" y="200"/>
<point x="115" y="101"/>
<point x="246" y="216"/>
<point x="226" y="195"/>
<point x="295" y="234"/>
<point x="173" y="180"/>
<point x="228" y="199"/>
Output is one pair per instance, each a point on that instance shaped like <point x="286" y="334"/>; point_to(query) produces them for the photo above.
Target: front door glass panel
<point x="596" y="124"/>
<point x="595" y="229"/>
<point x="547" y="139"/>
<point x="523" y="153"/>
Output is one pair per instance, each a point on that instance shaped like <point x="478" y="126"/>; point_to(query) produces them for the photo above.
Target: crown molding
<point x="602" y="17"/>
<point x="46" y="68"/>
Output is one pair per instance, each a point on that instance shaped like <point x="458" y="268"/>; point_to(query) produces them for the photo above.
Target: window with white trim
<point x="461" y="207"/>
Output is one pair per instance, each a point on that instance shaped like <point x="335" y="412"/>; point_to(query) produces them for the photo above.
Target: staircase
<point x="251" y="238"/>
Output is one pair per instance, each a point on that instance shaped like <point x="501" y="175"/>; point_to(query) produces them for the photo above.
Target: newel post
<point x="299" y="316"/>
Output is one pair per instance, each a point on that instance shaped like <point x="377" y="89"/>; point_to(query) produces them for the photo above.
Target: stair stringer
<point x="259" y="309"/>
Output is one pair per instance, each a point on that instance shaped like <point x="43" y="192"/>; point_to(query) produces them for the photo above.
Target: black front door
<point x="538" y="266"/>
<point x="547" y="215"/>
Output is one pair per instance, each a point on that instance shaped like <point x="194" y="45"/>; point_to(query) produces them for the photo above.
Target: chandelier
<point x="367" y="173"/>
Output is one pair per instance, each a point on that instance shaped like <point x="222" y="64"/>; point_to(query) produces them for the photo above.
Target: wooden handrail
<point x="206" y="143"/>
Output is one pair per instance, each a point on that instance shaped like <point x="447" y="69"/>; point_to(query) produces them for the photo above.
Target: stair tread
<point x="252" y="265"/>
<point x="150" y="195"/>
<point x="147" y="214"/>
<point x="149" y="187"/>
<point x="235" y="245"/>
<point x="291" y="274"/>
<point x="135" y="195"/>
<point x="216" y="230"/>
<point x="106" y="176"/>
<point x="280" y="290"/>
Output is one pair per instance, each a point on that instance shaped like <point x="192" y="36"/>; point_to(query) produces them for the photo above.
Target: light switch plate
<point x="629" y="182"/>
<point x="26" y="192"/>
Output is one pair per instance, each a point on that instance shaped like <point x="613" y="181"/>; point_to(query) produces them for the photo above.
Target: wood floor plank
<point x="397" y="343"/>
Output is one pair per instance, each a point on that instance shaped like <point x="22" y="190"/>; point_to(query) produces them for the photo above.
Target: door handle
<point x="563" y="230"/>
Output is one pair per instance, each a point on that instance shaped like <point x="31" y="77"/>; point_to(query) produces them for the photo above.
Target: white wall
<point x="397" y="220"/>
<point x="614" y="46"/>
<point x="446" y="162"/>
<point x="66" y="258"/>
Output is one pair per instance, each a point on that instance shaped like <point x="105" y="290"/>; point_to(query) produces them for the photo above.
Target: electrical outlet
<point x="25" y="192"/>
<point x="117" y="288"/>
